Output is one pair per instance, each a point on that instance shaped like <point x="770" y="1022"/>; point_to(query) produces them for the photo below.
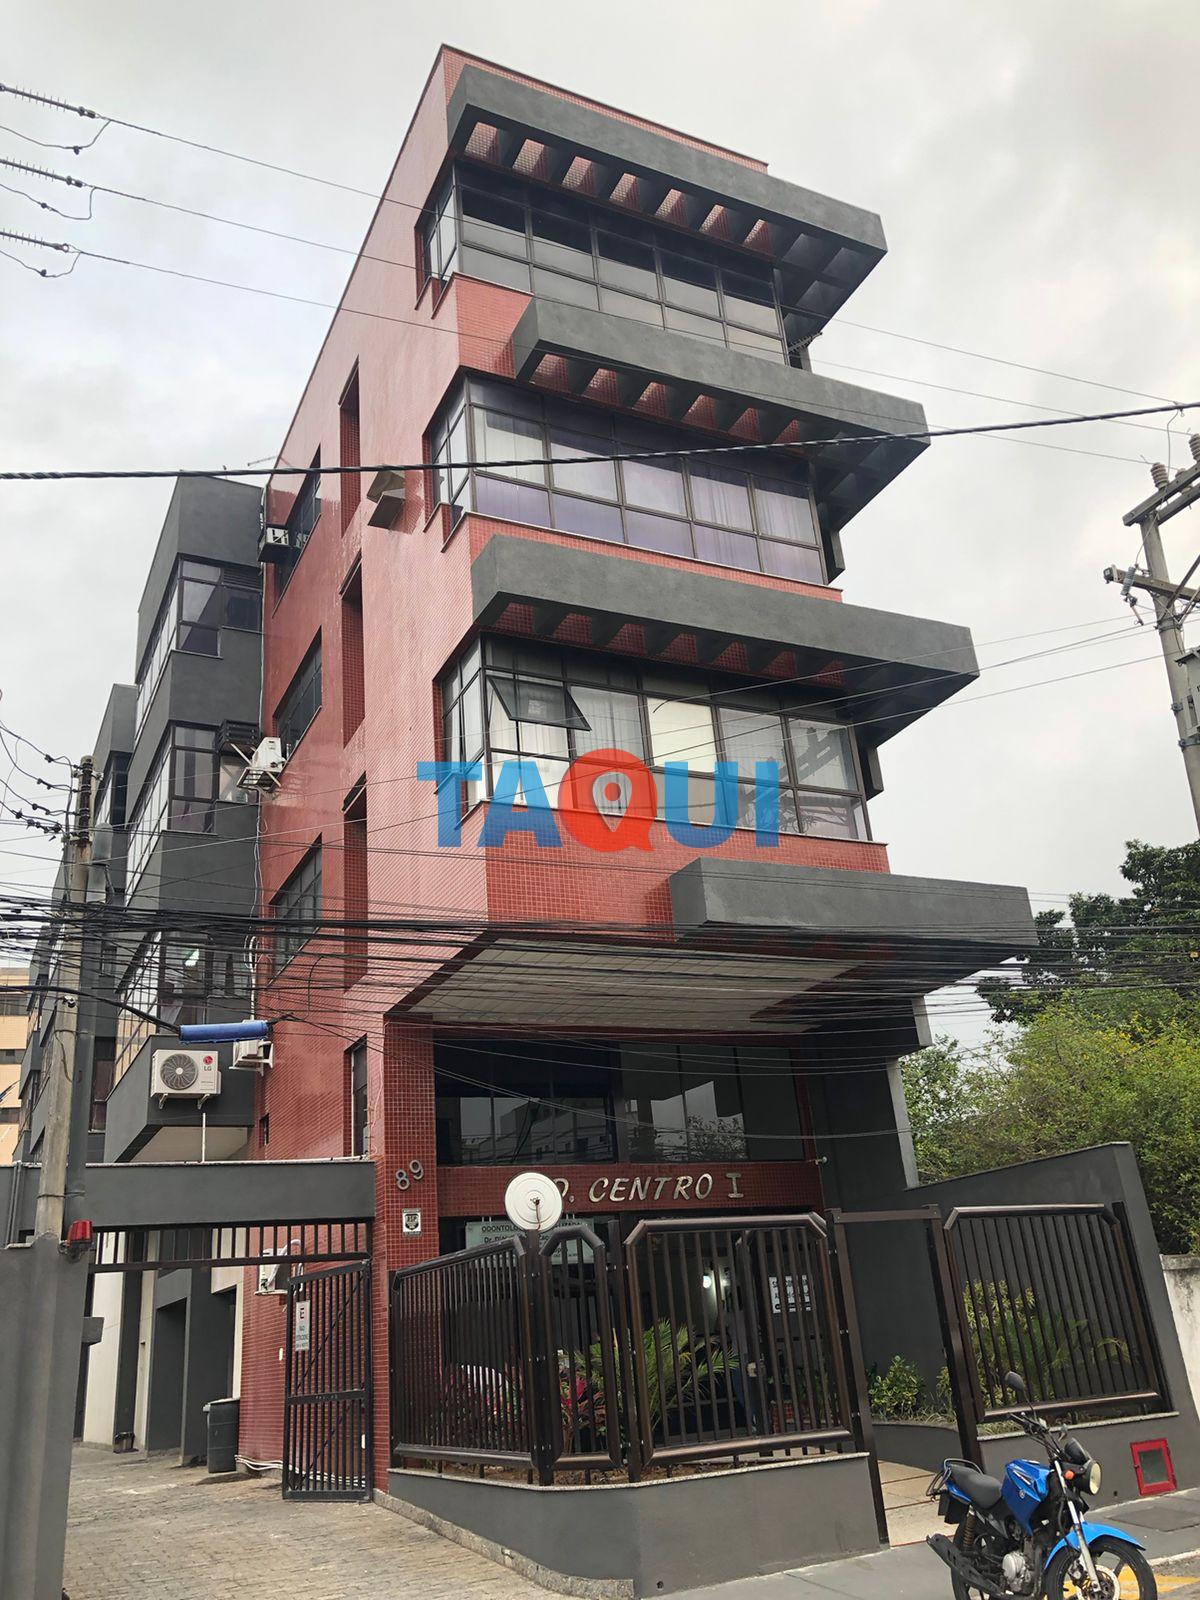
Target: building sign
<point x="301" y="1326"/>
<point x="663" y="1188"/>
<point x="494" y="1230"/>
<point x="654" y="1189"/>
<point x="410" y="1222"/>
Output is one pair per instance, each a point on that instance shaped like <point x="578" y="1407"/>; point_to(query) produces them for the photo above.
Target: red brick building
<point x="551" y="291"/>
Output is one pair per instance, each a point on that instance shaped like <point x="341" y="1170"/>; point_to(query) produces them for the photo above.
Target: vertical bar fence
<point x="1052" y="1292"/>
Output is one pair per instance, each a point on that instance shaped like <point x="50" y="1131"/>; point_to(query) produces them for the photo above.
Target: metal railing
<point x="701" y="1341"/>
<point x="1053" y="1293"/>
<point x="735" y="1342"/>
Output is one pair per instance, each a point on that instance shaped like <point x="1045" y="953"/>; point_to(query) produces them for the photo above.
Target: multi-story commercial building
<point x="14" y="1029"/>
<point x="562" y="319"/>
<point x="174" y="841"/>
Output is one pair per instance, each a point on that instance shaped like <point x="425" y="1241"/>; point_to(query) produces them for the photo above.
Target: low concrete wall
<point x="1109" y="1443"/>
<point x="653" y="1538"/>
<point x="927" y="1445"/>
<point x="917" y="1444"/>
<point x="1182" y="1274"/>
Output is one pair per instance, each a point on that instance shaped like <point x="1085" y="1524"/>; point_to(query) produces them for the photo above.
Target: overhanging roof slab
<point x="909" y="935"/>
<point x="806" y="406"/>
<point x="819" y="239"/>
<point x="896" y="667"/>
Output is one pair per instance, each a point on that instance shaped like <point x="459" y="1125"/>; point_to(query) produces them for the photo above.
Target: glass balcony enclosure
<point x="565" y="247"/>
<point x="509" y="699"/>
<point x="757" y="516"/>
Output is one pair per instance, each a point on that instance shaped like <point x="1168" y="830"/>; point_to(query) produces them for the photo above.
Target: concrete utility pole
<point x="1171" y="496"/>
<point x="56" y="1140"/>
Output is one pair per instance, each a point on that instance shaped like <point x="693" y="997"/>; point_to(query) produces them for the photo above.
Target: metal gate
<point x="327" y="1390"/>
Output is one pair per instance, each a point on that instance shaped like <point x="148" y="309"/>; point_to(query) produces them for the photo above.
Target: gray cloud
<point x="1035" y="172"/>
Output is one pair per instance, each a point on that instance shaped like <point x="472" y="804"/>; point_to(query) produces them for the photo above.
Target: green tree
<point x="1149" y="936"/>
<point x="1089" y="1068"/>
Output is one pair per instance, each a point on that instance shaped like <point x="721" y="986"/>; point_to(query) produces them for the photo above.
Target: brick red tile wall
<point x="416" y="613"/>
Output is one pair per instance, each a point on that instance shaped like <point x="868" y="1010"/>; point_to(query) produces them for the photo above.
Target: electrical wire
<point x="381" y="199"/>
<point x="675" y="453"/>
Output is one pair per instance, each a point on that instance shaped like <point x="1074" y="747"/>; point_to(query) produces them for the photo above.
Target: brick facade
<point x="415" y="615"/>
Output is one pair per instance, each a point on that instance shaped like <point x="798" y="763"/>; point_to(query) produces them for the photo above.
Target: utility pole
<point x="1171" y="496"/>
<point x="56" y="1140"/>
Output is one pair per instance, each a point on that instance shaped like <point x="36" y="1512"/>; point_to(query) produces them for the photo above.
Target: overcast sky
<point x="1035" y="172"/>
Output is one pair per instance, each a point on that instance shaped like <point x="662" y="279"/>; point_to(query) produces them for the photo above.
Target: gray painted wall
<point x="212" y="519"/>
<point x="498" y="98"/>
<point x="669" y="1534"/>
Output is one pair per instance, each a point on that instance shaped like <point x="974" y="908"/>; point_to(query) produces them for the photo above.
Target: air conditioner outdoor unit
<point x="252" y="1055"/>
<point x="387" y="492"/>
<point x="273" y="1275"/>
<point x="185" y="1074"/>
<point x="265" y="766"/>
<point x="274" y="544"/>
<point x="268" y="1277"/>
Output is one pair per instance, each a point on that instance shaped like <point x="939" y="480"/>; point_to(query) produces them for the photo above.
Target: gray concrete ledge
<point x="480" y="95"/>
<point x="622" y="1539"/>
<point x="846" y="475"/>
<point x="907" y="664"/>
<point x="984" y="918"/>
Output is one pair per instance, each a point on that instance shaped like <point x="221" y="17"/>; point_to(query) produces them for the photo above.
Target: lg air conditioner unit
<point x="185" y="1074"/>
<point x="264" y="767"/>
<point x="252" y="1055"/>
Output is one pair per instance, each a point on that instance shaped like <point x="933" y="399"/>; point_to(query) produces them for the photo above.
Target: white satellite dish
<point x="533" y="1201"/>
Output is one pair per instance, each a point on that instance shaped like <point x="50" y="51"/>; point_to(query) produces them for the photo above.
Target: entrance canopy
<point x="751" y="949"/>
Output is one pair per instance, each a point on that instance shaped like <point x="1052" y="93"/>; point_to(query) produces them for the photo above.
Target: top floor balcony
<point x="824" y="247"/>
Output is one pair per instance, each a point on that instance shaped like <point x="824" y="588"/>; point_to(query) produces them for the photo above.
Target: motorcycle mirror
<point x="1015" y="1382"/>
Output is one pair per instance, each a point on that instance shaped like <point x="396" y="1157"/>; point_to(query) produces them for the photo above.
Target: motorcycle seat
<point x="979" y="1489"/>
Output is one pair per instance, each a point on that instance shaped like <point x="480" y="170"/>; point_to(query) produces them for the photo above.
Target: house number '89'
<point x="407" y="1176"/>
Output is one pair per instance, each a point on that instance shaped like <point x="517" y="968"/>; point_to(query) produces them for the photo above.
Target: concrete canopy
<point x="897" y="667"/>
<point x="792" y="404"/>
<point x="825" y="247"/>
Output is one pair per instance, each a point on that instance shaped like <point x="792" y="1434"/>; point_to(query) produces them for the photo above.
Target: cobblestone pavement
<point x="145" y="1528"/>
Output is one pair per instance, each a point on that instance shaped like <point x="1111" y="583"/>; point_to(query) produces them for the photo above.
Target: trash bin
<point x="222" y="1435"/>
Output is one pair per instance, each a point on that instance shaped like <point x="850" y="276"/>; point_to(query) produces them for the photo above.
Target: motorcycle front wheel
<point x="1123" y="1570"/>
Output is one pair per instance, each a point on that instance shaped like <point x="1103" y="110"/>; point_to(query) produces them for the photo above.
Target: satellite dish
<point x="533" y="1201"/>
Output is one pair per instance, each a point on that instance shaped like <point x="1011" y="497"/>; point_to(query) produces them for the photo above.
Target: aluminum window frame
<point x="580" y="211"/>
<point x="580" y="669"/>
<point x="160" y="792"/>
<point x="617" y="433"/>
<point x="166" y="636"/>
<point x="299" y="896"/>
<point x="310" y="672"/>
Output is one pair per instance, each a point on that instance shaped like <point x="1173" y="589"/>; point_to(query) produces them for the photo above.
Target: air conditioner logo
<point x="605" y="778"/>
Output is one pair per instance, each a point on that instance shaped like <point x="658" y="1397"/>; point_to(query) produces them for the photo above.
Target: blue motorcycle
<point x="1028" y="1535"/>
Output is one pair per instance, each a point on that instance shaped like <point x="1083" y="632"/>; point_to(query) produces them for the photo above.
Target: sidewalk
<point x="1168" y="1525"/>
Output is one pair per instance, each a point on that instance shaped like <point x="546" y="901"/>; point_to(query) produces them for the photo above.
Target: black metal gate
<point x="327" y="1391"/>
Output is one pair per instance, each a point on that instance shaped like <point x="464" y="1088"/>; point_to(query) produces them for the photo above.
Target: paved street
<point x="148" y="1531"/>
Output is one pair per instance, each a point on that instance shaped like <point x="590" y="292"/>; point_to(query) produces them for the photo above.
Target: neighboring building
<point x="14" y="1029"/>
<point x="173" y="835"/>
<point x="670" y="1029"/>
